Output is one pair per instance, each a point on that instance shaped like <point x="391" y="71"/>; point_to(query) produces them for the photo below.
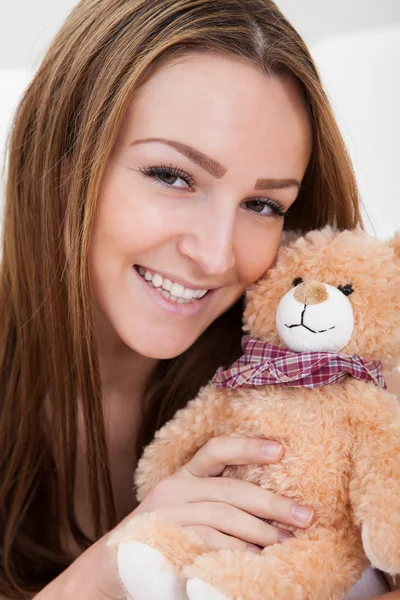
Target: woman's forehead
<point x="224" y="107"/>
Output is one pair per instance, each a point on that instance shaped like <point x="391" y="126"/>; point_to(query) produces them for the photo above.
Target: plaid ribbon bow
<point x="265" y="364"/>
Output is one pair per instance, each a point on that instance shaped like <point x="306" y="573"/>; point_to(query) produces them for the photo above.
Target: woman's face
<point x="209" y="157"/>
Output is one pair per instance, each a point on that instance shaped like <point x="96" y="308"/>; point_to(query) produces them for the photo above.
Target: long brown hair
<point x="62" y="135"/>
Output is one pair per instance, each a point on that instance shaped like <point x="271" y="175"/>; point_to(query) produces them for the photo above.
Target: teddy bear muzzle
<point x="315" y="316"/>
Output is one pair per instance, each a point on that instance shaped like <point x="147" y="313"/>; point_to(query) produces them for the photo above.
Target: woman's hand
<point x="226" y="513"/>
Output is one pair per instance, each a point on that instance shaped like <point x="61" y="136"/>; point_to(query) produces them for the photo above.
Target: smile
<point x="175" y="292"/>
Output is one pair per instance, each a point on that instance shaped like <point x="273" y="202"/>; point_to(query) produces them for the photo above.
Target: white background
<point x="27" y="26"/>
<point x="356" y="44"/>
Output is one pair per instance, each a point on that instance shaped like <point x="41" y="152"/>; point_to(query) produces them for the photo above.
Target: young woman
<point x="154" y="160"/>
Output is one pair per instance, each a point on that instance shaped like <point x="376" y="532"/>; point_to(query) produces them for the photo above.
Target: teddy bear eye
<point x="297" y="281"/>
<point x="346" y="289"/>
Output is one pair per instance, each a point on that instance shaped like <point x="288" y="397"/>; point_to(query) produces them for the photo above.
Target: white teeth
<point x="177" y="290"/>
<point x="167" y="285"/>
<point x="189" y="294"/>
<point x="173" y="291"/>
<point x="157" y="280"/>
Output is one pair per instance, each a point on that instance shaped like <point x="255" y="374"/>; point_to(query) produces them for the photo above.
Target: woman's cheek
<point x="256" y="248"/>
<point x="130" y="220"/>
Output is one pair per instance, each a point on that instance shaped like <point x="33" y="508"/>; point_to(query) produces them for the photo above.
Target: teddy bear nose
<point x="311" y="292"/>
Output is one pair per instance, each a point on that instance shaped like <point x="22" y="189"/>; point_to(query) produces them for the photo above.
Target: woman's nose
<point x="210" y="243"/>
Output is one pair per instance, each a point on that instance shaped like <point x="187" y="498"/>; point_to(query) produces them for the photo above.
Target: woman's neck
<point x="124" y="373"/>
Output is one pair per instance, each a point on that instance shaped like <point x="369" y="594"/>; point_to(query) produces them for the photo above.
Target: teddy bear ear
<point x="395" y="244"/>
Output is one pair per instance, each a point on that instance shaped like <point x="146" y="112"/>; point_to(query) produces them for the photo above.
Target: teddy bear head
<point x="330" y="290"/>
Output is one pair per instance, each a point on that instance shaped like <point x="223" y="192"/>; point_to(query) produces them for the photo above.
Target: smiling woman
<point x="195" y="223"/>
<point x="154" y="161"/>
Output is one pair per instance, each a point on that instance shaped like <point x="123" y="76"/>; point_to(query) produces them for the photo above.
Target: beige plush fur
<point x="341" y="441"/>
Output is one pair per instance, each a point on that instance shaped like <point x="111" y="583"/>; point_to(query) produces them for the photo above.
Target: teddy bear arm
<point x="177" y="442"/>
<point x="374" y="488"/>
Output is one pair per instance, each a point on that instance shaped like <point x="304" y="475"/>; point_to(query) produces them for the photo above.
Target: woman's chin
<point x="159" y="346"/>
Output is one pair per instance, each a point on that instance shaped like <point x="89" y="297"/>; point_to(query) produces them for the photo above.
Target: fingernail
<point x="284" y="535"/>
<point x="271" y="449"/>
<point x="254" y="549"/>
<point x="304" y="514"/>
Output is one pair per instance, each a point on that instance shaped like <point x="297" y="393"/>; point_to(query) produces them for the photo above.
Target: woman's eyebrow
<point x="214" y="167"/>
<point x="209" y="164"/>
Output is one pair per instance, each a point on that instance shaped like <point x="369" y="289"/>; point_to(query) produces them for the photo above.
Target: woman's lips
<point x="171" y="307"/>
<point x="174" y="279"/>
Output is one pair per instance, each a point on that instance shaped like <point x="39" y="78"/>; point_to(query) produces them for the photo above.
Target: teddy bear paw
<point x="147" y="574"/>
<point x="200" y="590"/>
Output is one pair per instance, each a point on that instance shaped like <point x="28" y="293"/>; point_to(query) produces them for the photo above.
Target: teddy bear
<point x="319" y="327"/>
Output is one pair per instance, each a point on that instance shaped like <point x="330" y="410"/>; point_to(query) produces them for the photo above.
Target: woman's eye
<point x="265" y="208"/>
<point x="174" y="178"/>
<point x="169" y="177"/>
